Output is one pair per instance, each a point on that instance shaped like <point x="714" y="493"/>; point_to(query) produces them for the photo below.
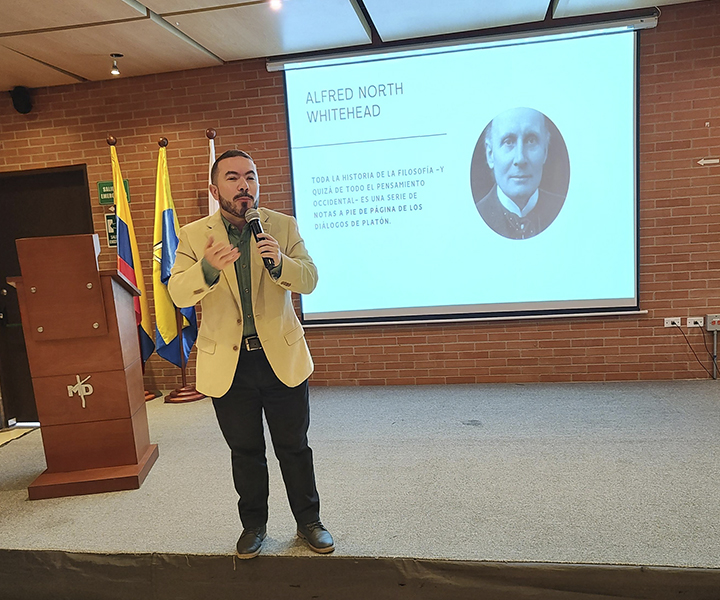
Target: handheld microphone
<point x="252" y="217"/>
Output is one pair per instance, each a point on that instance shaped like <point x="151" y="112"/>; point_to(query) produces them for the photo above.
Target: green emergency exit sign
<point x="111" y="229"/>
<point x="106" y="192"/>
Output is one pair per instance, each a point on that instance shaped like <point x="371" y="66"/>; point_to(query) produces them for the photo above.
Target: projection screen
<point x="494" y="179"/>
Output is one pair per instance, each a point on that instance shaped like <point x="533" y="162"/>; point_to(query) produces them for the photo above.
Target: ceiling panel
<point x="404" y="19"/>
<point x="163" y="7"/>
<point x="20" y="70"/>
<point x="43" y="14"/>
<point x="147" y="48"/>
<point x="78" y="36"/>
<point x="573" y="8"/>
<point x="254" y="30"/>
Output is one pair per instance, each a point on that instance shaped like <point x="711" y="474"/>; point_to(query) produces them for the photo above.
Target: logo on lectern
<point x="81" y="388"/>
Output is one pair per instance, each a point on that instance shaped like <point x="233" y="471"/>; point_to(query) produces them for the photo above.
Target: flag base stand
<point x="184" y="394"/>
<point x="152" y="395"/>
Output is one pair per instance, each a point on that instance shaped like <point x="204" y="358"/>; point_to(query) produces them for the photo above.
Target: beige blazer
<point x="221" y="326"/>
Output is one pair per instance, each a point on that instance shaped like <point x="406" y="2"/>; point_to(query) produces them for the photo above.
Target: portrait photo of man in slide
<point x="511" y="157"/>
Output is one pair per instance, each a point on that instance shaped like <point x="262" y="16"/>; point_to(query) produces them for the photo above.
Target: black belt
<point x="252" y="343"/>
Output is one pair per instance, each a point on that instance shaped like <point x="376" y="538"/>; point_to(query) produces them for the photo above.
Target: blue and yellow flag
<point x="165" y="242"/>
<point x="128" y="259"/>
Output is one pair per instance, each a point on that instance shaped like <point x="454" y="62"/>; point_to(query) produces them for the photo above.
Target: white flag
<point x="212" y="203"/>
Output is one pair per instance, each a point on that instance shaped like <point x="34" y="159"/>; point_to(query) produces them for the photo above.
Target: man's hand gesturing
<point x="220" y="255"/>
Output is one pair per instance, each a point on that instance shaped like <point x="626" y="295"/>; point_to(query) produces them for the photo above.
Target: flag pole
<point x="179" y="320"/>
<point x="112" y="141"/>
<point x="186" y="393"/>
<point x="210" y="134"/>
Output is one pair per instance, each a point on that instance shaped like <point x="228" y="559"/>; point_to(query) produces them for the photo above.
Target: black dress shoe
<point x="316" y="537"/>
<point x="250" y="542"/>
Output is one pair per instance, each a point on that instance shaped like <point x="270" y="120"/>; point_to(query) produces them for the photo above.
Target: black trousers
<point x="256" y="389"/>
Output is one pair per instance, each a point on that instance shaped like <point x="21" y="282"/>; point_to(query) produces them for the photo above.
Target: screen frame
<point x="457" y="313"/>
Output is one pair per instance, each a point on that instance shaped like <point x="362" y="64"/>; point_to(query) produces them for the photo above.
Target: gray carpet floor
<point x="569" y="473"/>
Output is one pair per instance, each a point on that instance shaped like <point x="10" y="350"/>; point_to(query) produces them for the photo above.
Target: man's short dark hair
<point x="223" y="156"/>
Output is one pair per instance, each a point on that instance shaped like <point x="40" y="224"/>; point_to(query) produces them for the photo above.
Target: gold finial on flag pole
<point x="111" y="140"/>
<point x="163" y="142"/>
<point x="210" y="133"/>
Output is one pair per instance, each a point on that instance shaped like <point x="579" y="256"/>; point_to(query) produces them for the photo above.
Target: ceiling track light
<point x="115" y="70"/>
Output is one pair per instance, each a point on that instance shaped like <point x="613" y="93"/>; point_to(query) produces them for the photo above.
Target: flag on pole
<point x="213" y="205"/>
<point x="128" y="259"/>
<point x="165" y="243"/>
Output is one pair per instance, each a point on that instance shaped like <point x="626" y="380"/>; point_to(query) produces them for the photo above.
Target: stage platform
<point x="564" y="491"/>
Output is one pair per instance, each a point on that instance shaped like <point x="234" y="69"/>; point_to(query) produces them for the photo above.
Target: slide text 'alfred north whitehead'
<point x="348" y="94"/>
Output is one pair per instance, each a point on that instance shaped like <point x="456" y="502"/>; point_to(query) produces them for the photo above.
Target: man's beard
<point x="234" y="209"/>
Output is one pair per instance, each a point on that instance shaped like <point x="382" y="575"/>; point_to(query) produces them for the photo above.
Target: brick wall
<point x="679" y="217"/>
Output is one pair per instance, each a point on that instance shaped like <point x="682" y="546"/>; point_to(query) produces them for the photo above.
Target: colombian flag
<point x="165" y="242"/>
<point x="128" y="259"/>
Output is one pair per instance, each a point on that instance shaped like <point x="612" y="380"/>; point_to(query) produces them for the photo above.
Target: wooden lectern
<point x="84" y="355"/>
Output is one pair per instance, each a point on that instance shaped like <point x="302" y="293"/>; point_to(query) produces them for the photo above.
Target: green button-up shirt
<point x="241" y="240"/>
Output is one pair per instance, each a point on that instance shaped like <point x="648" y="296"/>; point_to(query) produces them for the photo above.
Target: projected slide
<point x="468" y="181"/>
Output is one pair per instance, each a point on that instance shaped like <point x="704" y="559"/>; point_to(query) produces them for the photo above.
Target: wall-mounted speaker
<point x="21" y="99"/>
